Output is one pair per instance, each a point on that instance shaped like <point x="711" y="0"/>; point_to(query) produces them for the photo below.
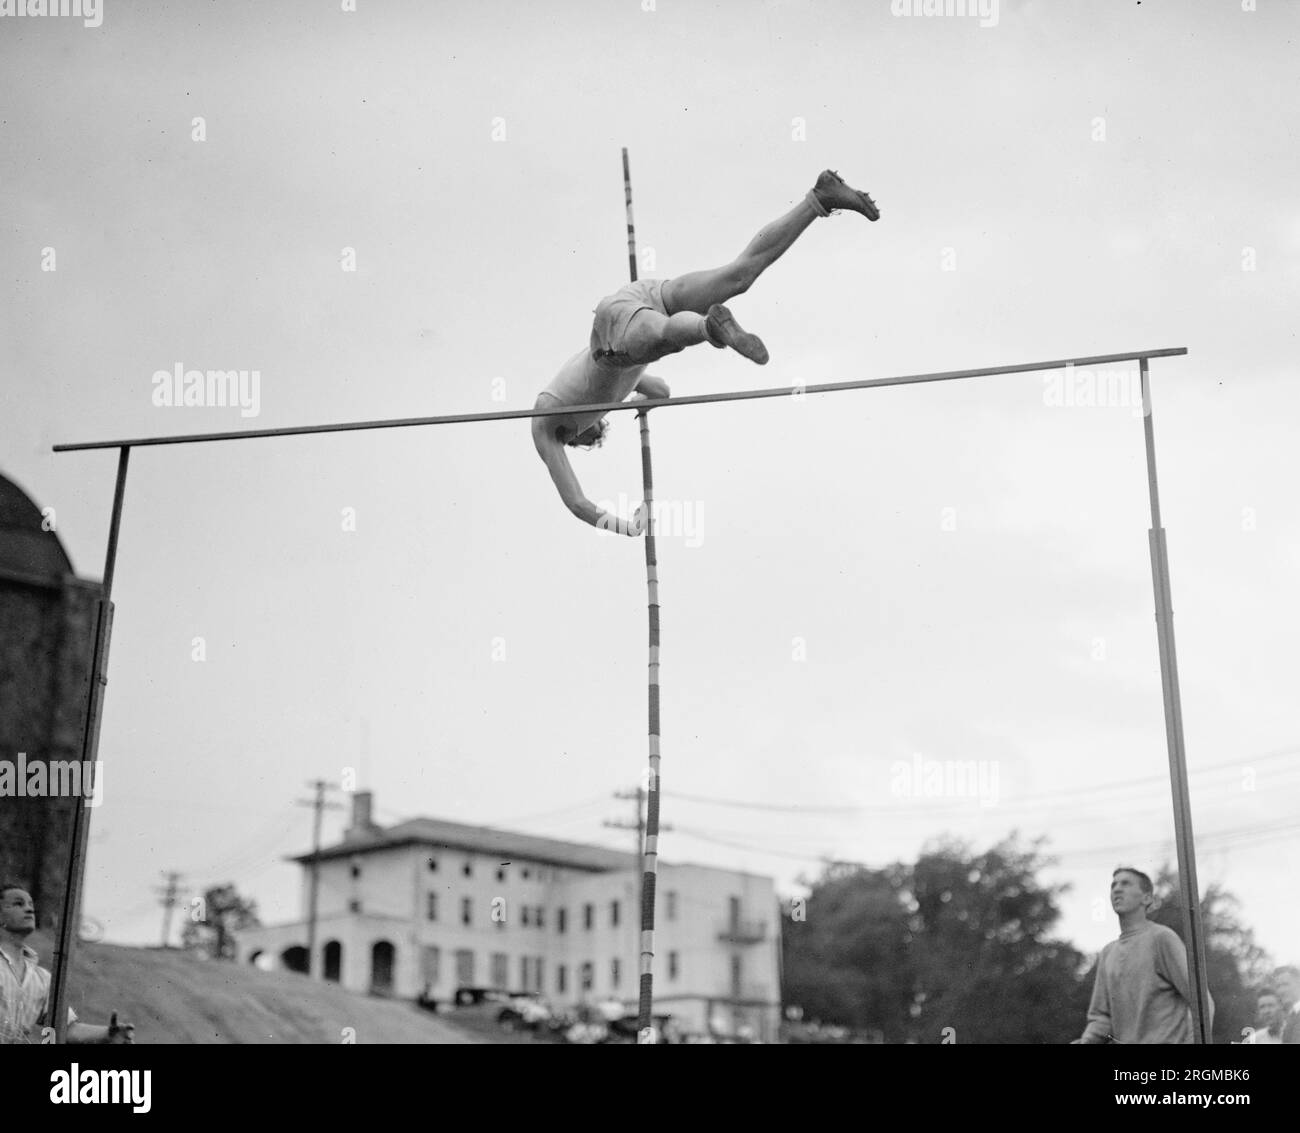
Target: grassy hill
<point x="173" y="997"/>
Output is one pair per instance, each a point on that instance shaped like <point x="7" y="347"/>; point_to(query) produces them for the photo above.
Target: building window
<point x="525" y="971"/>
<point x="735" y="977"/>
<point x="588" y="916"/>
<point x="354" y="906"/>
<point x="588" y="975"/>
<point x="541" y="918"/>
<point x="615" y="970"/>
<point x="561" y="979"/>
<point x="613" y="914"/>
<point x="500" y="970"/>
<point x="356" y="870"/>
<point x="501" y="873"/>
<point x="524" y="915"/>
<point x="671" y="896"/>
<point x="674" y="965"/>
<point x="467" y="869"/>
<point x="433" y="865"/>
<point x="466" y="910"/>
<point x="561" y="920"/>
<point x="464" y="967"/>
<point x="431" y="910"/>
<point x="538" y="961"/>
<point x="430" y="965"/>
<point x="527" y="873"/>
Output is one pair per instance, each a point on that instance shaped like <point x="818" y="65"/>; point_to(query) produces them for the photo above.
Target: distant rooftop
<point x="507" y="845"/>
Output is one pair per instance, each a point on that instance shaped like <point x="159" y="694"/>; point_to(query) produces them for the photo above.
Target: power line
<point x="1025" y="801"/>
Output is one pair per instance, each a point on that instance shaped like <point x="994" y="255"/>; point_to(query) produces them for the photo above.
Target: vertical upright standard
<point x="70" y="912"/>
<point x="1189" y="889"/>
<point x="650" y="852"/>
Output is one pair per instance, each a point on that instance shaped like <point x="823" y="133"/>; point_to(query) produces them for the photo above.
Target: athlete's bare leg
<point x="694" y="300"/>
<point x="699" y="290"/>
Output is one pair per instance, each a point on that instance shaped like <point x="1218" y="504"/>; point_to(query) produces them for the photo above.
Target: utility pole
<point x="638" y="824"/>
<point x="168" y="898"/>
<point x="319" y="805"/>
<point x="638" y="797"/>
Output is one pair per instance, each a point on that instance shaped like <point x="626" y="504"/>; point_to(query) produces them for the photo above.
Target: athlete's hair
<point x="1143" y="880"/>
<point x="1287" y="970"/>
<point x="1267" y="990"/>
<point x="8" y="884"/>
<point x="593" y="437"/>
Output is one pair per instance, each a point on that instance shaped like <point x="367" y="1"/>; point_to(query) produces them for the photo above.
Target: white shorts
<point x="614" y="313"/>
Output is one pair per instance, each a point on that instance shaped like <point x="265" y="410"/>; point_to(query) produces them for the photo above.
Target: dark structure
<point x="47" y="627"/>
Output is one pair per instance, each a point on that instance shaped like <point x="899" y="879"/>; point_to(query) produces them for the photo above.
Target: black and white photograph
<point x="555" y="522"/>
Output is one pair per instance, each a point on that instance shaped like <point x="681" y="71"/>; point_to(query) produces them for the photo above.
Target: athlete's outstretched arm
<point x="566" y="483"/>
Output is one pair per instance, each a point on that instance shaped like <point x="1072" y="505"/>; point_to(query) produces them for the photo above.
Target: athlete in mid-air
<point x="652" y="318"/>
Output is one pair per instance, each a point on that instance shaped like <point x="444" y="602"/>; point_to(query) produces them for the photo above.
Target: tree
<point x="988" y="970"/>
<point x="1235" y="966"/>
<point x="846" y="957"/>
<point x="212" y="926"/>
<point x="954" y="948"/>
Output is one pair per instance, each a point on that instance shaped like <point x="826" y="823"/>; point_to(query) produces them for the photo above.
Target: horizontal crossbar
<point x="639" y="404"/>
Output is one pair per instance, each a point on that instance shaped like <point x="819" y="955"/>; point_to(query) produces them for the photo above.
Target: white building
<point x="429" y="906"/>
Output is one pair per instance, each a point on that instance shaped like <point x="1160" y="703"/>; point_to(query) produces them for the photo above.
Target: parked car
<point x="625" y="1029"/>
<point x="479" y="996"/>
<point x="525" y="1011"/>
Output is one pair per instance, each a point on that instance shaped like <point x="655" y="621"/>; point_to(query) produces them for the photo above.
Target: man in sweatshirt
<point x="1142" y="994"/>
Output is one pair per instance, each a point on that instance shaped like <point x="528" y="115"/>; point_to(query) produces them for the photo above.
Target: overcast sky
<point x="953" y="572"/>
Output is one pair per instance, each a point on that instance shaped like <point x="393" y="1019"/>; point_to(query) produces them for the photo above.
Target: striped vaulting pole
<point x="631" y="228"/>
<point x="650" y="850"/>
<point x="650" y="862"/>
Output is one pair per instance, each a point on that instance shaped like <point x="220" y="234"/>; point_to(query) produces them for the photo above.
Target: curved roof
<point x="25" y="549"/>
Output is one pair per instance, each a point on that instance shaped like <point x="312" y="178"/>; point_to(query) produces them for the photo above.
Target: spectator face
<point x="1269" y="1010"/>
<point x="1126" y="895"/>
<point x="1287" y="987"/>
<point x="17" y="913"/>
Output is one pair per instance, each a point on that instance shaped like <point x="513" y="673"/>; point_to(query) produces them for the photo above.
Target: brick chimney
<point x="362" y="825"/>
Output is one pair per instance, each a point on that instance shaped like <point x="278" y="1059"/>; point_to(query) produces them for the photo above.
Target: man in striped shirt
<point x="25" y="985"/>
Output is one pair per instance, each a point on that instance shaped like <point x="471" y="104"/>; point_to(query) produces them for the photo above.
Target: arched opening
<point x="333" y="960"/>
<point x="254" y="958"/>
<point x="294" y="959"/>
<point x="383" y="958"/>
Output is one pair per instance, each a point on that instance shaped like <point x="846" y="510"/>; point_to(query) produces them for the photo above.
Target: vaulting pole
<point x="650" y="851"/>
